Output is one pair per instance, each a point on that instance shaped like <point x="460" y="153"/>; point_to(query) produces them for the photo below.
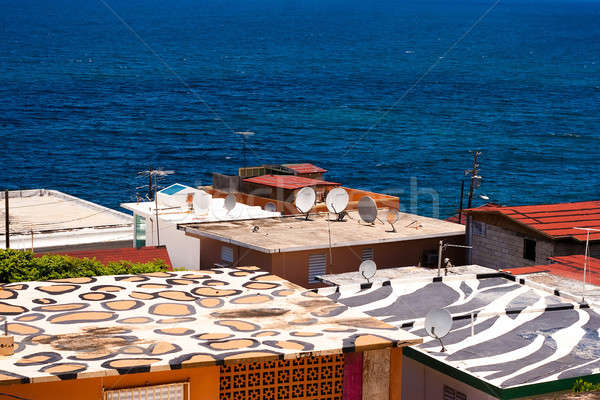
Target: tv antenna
<point x="245" y="135"/>
<point x="367" y="209"/>
<point x="367" y="269"/>
<point x="392" y="216"/>
<point x="441" y="249"/>
<point x="157" y="174"/>
<point x="305" y="200"/>
<point x="438" y="323"/>
<point x="337" y="201"/>
<point x="230" y="202"/>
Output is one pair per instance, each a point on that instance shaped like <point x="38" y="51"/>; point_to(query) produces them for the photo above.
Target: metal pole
<point x="460" y="207"/>
<point x="473" y="175"/>
<point x="6" y="220"/>
<point x="150" y="183"/>
<point x="156" y="210"/>
<point x="440" y="258"/>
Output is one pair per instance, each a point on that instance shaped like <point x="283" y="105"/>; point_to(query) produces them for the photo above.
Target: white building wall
<point x="420" y="382"/>
<point x="184" y="251"/>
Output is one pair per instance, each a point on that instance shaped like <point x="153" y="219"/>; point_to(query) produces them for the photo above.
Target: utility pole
<point x="6" y="220"/>
<point x="474" y="177"/>
<point x="460" y="207"/>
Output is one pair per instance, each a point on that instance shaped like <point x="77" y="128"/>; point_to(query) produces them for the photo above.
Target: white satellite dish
<point x="367" y="209"/>
<point x="270" y="207"/>
<point x="337" y="201"/>
<point x="367" y="268"/>
<point x="305" y="200"/>
<point x="438" y="323"/>
<point x="230" y="202"/>
<point x="391" y="216"/>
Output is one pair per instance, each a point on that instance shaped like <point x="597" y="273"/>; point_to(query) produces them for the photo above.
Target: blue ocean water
<point x="95" y="90"/>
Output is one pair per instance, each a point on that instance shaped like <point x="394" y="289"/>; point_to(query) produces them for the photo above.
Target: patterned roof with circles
<point x="87" y="327"/>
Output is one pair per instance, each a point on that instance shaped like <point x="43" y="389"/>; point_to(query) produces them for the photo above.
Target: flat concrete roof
<point x="388" y="274"/>
<point x="294" y="233"/>
<point x="507" y="332"/>
<point x="111" y="325"/>
<point x="42" y="210"/>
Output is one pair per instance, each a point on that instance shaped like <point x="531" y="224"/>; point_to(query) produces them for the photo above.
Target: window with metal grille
<point x="453" y="394"/>
<point x="529" y="249"/>
<point x="171" y="391"/>
<point x="227" y="254"/>
<point x="367" y="254"/>
<point x="317" y="265"/>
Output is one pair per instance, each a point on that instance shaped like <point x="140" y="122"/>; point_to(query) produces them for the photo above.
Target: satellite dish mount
<point x="438" y="323"/>
<point x="368" y="269"/>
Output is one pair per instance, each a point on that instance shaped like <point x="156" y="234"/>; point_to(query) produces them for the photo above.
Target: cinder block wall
<point x="502" y="248"/>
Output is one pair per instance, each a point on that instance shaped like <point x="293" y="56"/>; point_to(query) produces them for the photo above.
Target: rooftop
<point x="288" y="181"/>
<point x="173" y="207"/>
<point x="507" y="334"/>
<point x="305" y="168"/>
<point x="566" y="266"/>
<point x="108" y="325"/>
<point x="388" y="274"/>
<point x="58" y="219"/>
<point x="131" y="254"/>
<point x="554" y="221"/>
<point x="294" y="233"/>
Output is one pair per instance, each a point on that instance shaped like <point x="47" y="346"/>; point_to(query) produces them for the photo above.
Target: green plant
<point x="581" y="386"/>
<point x="21" y="266"/>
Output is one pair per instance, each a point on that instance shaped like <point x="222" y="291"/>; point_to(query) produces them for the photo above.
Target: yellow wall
<point x="204" y="385"/>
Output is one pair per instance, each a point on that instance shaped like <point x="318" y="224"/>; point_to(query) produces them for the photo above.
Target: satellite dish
<point x="230" y="202"/>
<point x="438" y="323"/>
<point x="367" y="209"/>
<point x="305" y="200"/>
<point x="337" y="200"/>
<point x="392" y="216"/>
<point x="367" y="269"/>
<point x="270" y="207"/>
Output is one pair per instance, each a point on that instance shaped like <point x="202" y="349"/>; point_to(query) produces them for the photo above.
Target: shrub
<point x="581" y="386"/>
<point x="21" y="266"/>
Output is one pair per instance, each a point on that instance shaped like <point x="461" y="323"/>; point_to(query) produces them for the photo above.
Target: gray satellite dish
<point x="392" y="216"/>
<point x="270" y="207"/>
<point x="337" y="200"/>
<point x="438" y="323"/>
<point x="230" y="202"/>
<point x="367" y="209"/>
<point x="305" y="200"/>
<point x="367" y="268"/>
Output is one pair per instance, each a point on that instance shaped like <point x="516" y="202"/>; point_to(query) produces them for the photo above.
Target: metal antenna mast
<point x="153" y="188"/>
<point x="245" y="135"/>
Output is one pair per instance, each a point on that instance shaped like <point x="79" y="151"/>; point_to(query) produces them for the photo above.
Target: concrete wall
<point x="502" y="248"/>
<point x="183" y="250"/>
<point x="419" y="382"/>
<point x="204" y="385"/>
<point x="293" y="266"/>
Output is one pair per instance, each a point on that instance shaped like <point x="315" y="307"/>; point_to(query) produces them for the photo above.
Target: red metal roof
<point x="305" y="168"/>
<point x="463" y="221"/>
<point x="288" y="181"/>
<point x="554" y="220"/>
<point x="567" y="267"/>
<point x="131" y="254"/>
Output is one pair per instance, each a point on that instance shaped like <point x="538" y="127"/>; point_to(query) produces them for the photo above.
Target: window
<point x="453" y="394"/>
<point x="478" y="228"/>
<point x="140" y="231"/>
<point x="317" y="265"/>
<point x="367" y="254"/>
<point x="227" y="254"/>
<point x="529" y="249"/>
<point x="172" y="391"/>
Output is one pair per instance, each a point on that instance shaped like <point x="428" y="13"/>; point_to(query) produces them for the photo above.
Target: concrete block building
<point x="504" y="237"/>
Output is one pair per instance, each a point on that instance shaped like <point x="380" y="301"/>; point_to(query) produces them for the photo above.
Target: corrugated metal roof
<point x="288" y="181"/>
<point x="131" y="254"/>
<point x="554" y="220"/>
<point x="305" y="168"/>
<point x="567" y="267"/>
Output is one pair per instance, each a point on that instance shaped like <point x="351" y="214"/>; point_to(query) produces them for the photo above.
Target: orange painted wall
<point x="204" y="385"/>
<point x="293" y="266"/>
<point x="396" y="373"/>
